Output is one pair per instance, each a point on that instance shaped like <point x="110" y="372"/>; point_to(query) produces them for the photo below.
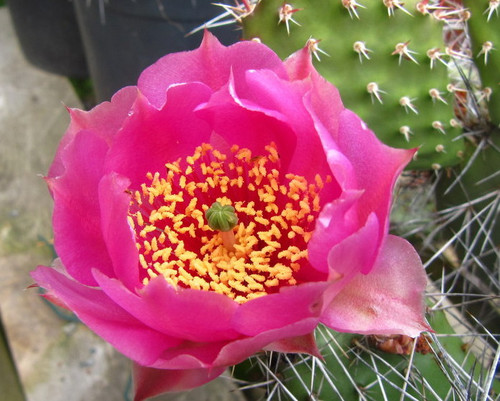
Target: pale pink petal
<point x="210" y="64"/>
<point x="131" y="337"/>
<point x="299" y="65"/>
<point x="178" y="313"/>
<point x="76" y="219"/>
<point x="151" y="137"/>
<point x="119" y="237"/>
<point x="389" y="300"/>
<point x="150" y="382"/>
<point x="104" y="120"/>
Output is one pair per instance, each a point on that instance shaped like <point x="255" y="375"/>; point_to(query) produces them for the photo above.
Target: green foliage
<point x="397" y="76"/>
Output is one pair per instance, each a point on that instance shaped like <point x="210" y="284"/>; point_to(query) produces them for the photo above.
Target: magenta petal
<point x="290" y="305"/>
<point x="336" y="222"/>
<point x="299" y="65"/>
<point x="178" y="313"/>
<point x="104" y="120"/>
<point x="376" y="166"/>
<point x="325" y="104"/>
<point x="300" y="344"/>
<point x="131" y="337"/>
<point x="150" y="382"/>
<point x="194" y="355"/>
<point x="265" y="94"/>
<point x="234" y="124"/>
<point x="358" y="252"/>
<point x="77" y="221"/>
<point x="118" y="235"/>
<point x="203" y="355"/>
<point x="210" y="64"/>
<point x="389" y="300"/>
<point x="237" y="351"/>
<point x="151" y="137"/>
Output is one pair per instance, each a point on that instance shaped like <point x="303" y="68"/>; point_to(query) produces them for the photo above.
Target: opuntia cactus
<point x="484" y="31"/>
<point x="375" y="368"/>
<point x="388" y="61"/>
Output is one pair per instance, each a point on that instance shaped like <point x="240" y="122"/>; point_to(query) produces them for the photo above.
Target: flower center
<point x="271" y="221"/>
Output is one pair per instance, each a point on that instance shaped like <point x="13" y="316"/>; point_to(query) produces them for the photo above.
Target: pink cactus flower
<point x="306" y="188"/>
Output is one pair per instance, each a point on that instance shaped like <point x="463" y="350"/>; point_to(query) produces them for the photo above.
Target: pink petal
<point x="118" y="236"/>
<point x="388" y="300"/>
<point x="264" y="93"/>
<point x="290" y="305"/>
<point x="261" y="120"/>
<point x="375" y="165"/>
<point x="325" y="103"/>
<point x="301" y="344"/>
<point x="234" y="124"/>
<point x="191" y="355"/>
<point x="356" y="253"/>
<point x="237" y="351"/>
<point x="131" y="337"/>
<point x="336" y="221"/>
<point x="151" y="137"/>
<point x="195" y="315"/>
<point x="299" y="65"/>
<point x="104" y="120"/>
<point x="77" y="226"/>
<point x="210" y="64"/>
<point x="150" y="382"/>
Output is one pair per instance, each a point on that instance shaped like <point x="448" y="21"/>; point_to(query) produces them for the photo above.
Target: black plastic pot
<point x="49" y="35"/>
<point x="122" y="37"/>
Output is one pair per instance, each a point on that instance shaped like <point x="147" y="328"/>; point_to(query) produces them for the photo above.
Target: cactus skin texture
<point x="362" y="368"/>
<point x="484" y="31"/>
<point x="472" y="30"/>
<point x="402" y="72"/>
<point x="363" y="360"/>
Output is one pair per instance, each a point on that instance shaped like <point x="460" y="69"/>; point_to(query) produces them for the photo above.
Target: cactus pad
<point x="378" y="57"/>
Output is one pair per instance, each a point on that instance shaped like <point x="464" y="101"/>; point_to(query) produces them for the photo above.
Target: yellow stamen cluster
<point x="275" y="219"/>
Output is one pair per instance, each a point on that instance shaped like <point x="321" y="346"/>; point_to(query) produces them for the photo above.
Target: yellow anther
<point x="171" y="166"/>
<point x="261" y="220"/>
<point x="298" y="229"/>
<point x="142" y="261"/>
<point x="175" y="241"/>
<point x="152" y="274"/>
<point x="140" y="220"/>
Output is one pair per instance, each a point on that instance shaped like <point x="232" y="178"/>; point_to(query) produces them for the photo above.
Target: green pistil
<point x="221" y="218"/>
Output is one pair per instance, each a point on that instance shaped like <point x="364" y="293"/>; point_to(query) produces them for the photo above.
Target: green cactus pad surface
<point x="352" y="364"/>
<point x="484" y="30"/>
<point x="356" y="367"/>
<point x="404" y="114"/>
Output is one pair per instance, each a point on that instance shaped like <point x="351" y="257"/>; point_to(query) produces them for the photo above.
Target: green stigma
<point x="221" y="218"/>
